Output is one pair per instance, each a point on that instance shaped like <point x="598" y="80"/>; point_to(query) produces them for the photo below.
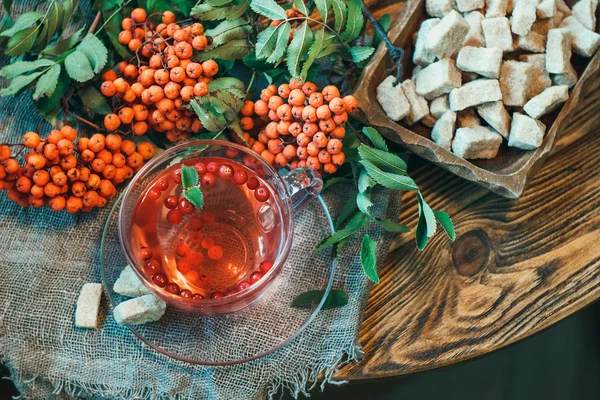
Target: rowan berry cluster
<point x="294" y="125"/>
<point x="62" y="175"/>
<point x="152" y="92"/>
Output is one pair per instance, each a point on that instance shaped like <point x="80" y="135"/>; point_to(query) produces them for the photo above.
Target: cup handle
<point x="304" y="184"/>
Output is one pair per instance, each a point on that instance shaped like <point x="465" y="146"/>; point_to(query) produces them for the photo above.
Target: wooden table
<point x="517" y="266"/>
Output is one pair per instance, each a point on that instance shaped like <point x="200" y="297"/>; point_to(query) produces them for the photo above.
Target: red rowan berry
<point x="308" y="88"/>
<point x="31" y="140"/>
<point x="296" y="97"/>
<point x="340" y="119"/>
<point x="336" y="105"/>
<point x="330" y="168"/>
<point x="315" y="99"/>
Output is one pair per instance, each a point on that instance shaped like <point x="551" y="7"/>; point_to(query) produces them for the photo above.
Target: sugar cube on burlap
<point x="438" y="78"/>
<point x="496" y="116"/>
<point x="558" y="51"/>
<point x="475" y="35"/>
<point x="88" y="306"/>
<point x="585" y="12"/>
<point x="543" y="26"/>
<point x="546" y="9"/>
<point x="515" y="82"/>
<point x="128" y="284"/>
<point x="476" y="143"/>
<point x="496" y="32"/>
<point x="439" y="106"/>
<point x="526" y="133"/>
<point x="446" y="38"/>
<point x="392" y="99"/>
<point x="422" y="56"/>
<point x="533" y="41"/>
<point x="474" y="93"/>
<point x="547" y="101"/>
<point x="443" y="130"/>
<point x="469" y="5"/>
<point x="147" y="308"/>
<point x="467" y="118"/>
<point x="481" y="60"/>
<point x="523" y="16"/>
<point x="584" y="41"/>
<point x="540" y="78"/>
<point x="439" y="8"/>
<point x="569" y="78"/>
<point x="496" y="8"/>
<point x="418" y="105"/>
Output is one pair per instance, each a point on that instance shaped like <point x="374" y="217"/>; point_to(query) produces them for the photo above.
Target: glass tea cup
<point x="246" y="228"/>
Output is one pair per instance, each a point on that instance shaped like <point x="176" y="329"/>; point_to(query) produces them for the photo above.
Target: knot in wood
<point x="471" y="252"/>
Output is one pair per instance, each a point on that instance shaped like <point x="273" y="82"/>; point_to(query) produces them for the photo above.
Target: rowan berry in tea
<point x="255" y="277"/>
<point x="262" y="193"/>
<point x="152" y="267"/>
<point x="243" y="285"/>
<point x="265" y="266"/>
<point x="185" y="207"/>
<point x="171" y="202"/>
<point x="174" y="217"/>
<point x="186" y="293"/>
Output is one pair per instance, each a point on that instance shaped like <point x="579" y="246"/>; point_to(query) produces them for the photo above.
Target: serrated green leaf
<point x="21" y="42"/>
<point x="328" y="50"/>
<point x="335" y="298"/>
<point x="232" y="100"/>
<point x="365" y="182"/>
<point x="212" y="121"/>
<point x="67" y="7"/>
<point x="358" y="219"/>
<point x="238" y="10"/>
<point x="54" y="19"/>
<point x="24" y="21"/>
<point x="268" y="8"/>
<point x="228" y="30"/>
<point x="156" y="6"/>
<point x="355" y="21"/>
<point x="235" y="127"/>
<point x="386" y="161"/>
<point x="189" y="177"/>
<point x="194" y="196"/>
<point x="185" y="6"/>
<point x="224" y="109"/>
<point x="268" y="78"/>
<point x="18" y="83"/>
<point x="323" y="8"/>
<point x="298" y="47"/>
<point x="112" y="29"/>
<point x="95" y="51"/>
<point x="58" y="48"/>
<point x="265" y="42"/>
<point x="218" y="3"/>
<point x="349" y="208"/>
<point x="364" y="203"/>
<point x="339" y="14"/>
<point x="384" y="21"/>
<point x="387" y="179"/>
<point x="427" y="224"/>
<point x="41" y="36"/>
<point x="360" y="53"/>
<point x="225" y="83"/>
<point x="301" y="7"/>
<point x="421" y="233"/>
<point x="282" y="42"/>
<point x="78" y="66"/>
<point x="21" y="67"/>
<point x="392" y="226"/>
<point x="446" y="223"/>
<point x="47" y="83"/>
<point x="340" y="235"/>
<point x="47" y="105"/>
<point x="232" y="50"/>
<point x="93" y="100"/>
<point x="368" y="258"/>
<point x="375" y="137"/>
<point x="315" y="48"/>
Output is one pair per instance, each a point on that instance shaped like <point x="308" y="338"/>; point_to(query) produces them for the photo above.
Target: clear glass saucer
<point x="253" y="332"/>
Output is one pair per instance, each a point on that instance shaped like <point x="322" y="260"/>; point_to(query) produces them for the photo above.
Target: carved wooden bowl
<point x="508" y="173"/>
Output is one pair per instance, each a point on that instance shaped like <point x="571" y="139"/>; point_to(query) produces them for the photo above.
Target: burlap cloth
<point x="45" y="257"/>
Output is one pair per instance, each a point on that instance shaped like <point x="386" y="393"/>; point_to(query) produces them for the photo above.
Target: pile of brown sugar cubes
<point x="479" y="61"/>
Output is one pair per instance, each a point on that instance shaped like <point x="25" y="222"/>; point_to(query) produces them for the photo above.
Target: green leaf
<point x="218" y="3"/>
<point x="21" y="42"/>
<point x="358" y="219"/>
<point x="54" y="19"/>
<point x="268" y="8"/>
<point x="232" y="50"/>
<point x="237" y="11"/>
<point x="365" y="182"/>
<point x="58" y="48"/>
<point x="340" y="235"/>
<point x="382" y="159"/>
<point x="323" y="8"/>
<point x="212" y="121"/>
<point x="47" y="83"/>
<point x="355" y="21"/>
<point x="157" y="6"/>
<point x="78" y="66"/>
<point x="387" y="179"/>
<point x="237" y="131"/>
<point x="68" y="6"/>
<point x="189" y="177"/>
<point x="392" y="226"/>
<point x="427" y="224"/>
<point x="375" y="137"/>
<point x="339" y="14"/>
<point x="265" y="42"/>
<point x="446" y="223"/>
<point x="5" y="23"/>
<point x="349" y="208"/>
<point x="335" y="298"/>
<point x="313" y="52"/>
<point x="225" y="83"/>
<point x="95" y="51"/>
<point x="298" y="48"/>
<point x="19" y="83"/>
<point x="368" y="258"/>
<point x="7" y="4"/>
<point x="112" y="29"/>
<point x="360" y="53"/>
<point x="384" y="21"/>
<point x="41" y="36"/>
<point x="363" y="201"/>
<point x="22" y="67"/>
<point x="93" y="100"/>
<point x="301" y="7"/>
<point x="421" y="233"/>
<point x="185" y="6"/>
<point x="228" y="30"/>
<point x="46" y="105"/>
<point x="24" y="21"/>
<point x="194" y="196"/>
<point x="282" y="42"/>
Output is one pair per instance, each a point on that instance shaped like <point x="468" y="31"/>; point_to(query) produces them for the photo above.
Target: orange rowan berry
<point x="312" y="149"/>
<point x="313" y="162"/>
<point x="173" y="115"/>
<point x="266" y="94"/>
<point x="186" y="93"/>
<point x="129" y="96"/>
<point x="246" y="123"/>
<point x="51" y="189"/>
<point x="109" y="75"/>
<point x="130" y="71"/>
<point x="60" y="179"/>
<point x="87" y="155"/>
<point x="271" y="130"/>
<point x="315" y="99"/>
<point x="303" y="139"/>
<point x="106" y="188"/>
<point x="194" y="70"/>
<point x="284" y="90"/>
<point x="295" y="129"/>
<point x="57" y="203"/>
<point x="323" y="112"/>
<point x="350" y="104"/>
<point x="121" y="85"/>
<point x="284" y="112"/>
<point x="320" y="139"/>
<point x="200" y="43"/>
<point x="295" y="84"/>
<point x="137" y="88"/>
<point x="275" y="146"/>
<point x="340" y="119"/>
<point x="74" y="204"/>
<point x="112" y="122"/>
<point x="138" y="15"/>
<point x="84" y="174"/>
<point x="280" y="161"/>
<point x="324" y="157"/>
<point x="210" y="68"/>
<point x="177" y="74"/>
<point x="23" y="184"/>
<point x="68" y="162"/>
<point x="93" y="181"/>
<point x="338" y="132"/>
<point x="126" y="115"/>
<point x="183" y="124"/>
<point x="197" y="28"/>
<point x="68" y="132"/>
<point x="119" y="176"/>
<point x="54" y="137"/>
<point x="308" y="88"/>
<point x="41" y="177"/>
<point x="97" y="142"/>
<point x="338" y="159"/>
<point x="296" y="97"/>
<point x="263" y="138"/>
<point x="155" y="62"/>
<point x="330" y="168"/>
<point x="297" y="112"/>
<point x="289" y="151"/>
<point x="101" y="202"/>
<point x="134" y="44"/>
<point x="157" y="117"/>
<point x="272" y="88"/>
<point x="147" y="77"/>
<point x="171" y="28"/>
<point x="139" y="128"/>
<point x="98" y="165"/>
<point x="135" y="160"/>
<point x="121" y="65"/>
<point x="65" y="147"/>
<point x="334" y="146"/>
<point x="268" y="156"/>
<point x="283" y="126"/>
<point x="108" y="88"/>
<point x="140" y="112"/>
<point x="275" y="23"/>
<point x="258" y="147"/>
<point x="261" y="108"/>
<point x="330" y="93"/>
<point x="309" y="114"/>
<point x="125" y="37"/>
<point x="37" y="191"/>
<point x="148" y="50"/>
<point x="55" y="170"/>
<point x="180" y="35"/>
<point x="248" y="108"/>
<point x="127" y="23"/>
<point x="5" y="152"/>
<point x="172" y="61"/>
<point x="105" y="156"/>
<point x="36" y="161"/>
<point x="161" y="76"/>
<point x="109" y="171"/>
<point x="168" y="17"/>
<point x="31" y="140"/>
<point x="188" y="81"/>
<point x="275" y="102"/>
<point x="184" y="50"/>
<point x="201" y="89"/>
<point x="11" y="166"/>
<point x="336" y="105"/>
<point x="327" y="125"/>
<point x="90" y="198"/>
<point x="73" y="174"/>
<point x="118" y="160"/>
<point x="171" y="90"/>
<point x="146" y="150"/>
<point x="302" y="153"/>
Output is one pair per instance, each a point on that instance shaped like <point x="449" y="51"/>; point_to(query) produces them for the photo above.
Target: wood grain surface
<point x="517" y="266"/>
